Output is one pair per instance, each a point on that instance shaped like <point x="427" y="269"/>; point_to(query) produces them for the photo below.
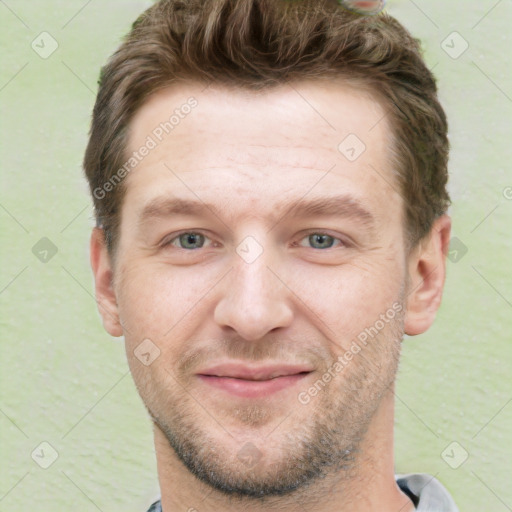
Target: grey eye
<point x="190" y="240"/>
<point x="324" y="241"/>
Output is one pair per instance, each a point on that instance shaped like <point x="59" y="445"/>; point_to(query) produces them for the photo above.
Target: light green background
<point x="66" y="382"/>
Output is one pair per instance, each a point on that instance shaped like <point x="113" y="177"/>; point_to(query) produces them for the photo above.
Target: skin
<point x="302" y="300"/>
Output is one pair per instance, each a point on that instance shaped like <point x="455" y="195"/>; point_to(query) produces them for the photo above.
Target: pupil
<point x="321" y="239"/>
<point x="190" y="238"/>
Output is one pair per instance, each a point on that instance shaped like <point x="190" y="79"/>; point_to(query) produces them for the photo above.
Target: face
<point x="261" y="242"/>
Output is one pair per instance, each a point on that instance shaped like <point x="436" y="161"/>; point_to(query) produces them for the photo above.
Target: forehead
<point x="221" y="143"/>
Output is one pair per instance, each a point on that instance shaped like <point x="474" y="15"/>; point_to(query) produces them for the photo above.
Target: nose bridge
<point x="254" y="301"/>
<point x="254" y="284"/>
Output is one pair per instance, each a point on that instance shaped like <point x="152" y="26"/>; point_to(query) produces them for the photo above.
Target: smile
<point x="250" y="388"/>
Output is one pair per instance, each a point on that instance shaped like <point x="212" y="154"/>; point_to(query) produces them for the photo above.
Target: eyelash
<point x="168" y="242"/>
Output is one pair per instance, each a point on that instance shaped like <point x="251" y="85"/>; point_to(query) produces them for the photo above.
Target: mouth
<point x="253" y="382"/>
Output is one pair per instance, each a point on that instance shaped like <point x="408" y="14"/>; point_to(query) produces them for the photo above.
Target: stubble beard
<point x="323" y="438"/>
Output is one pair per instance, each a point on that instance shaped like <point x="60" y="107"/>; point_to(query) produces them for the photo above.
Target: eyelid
<point x="174" y="236"/>
<point x="345" y="242"/>
<point x="167" y="240"/>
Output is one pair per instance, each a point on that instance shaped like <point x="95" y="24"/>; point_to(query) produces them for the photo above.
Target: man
<point x="269" y="183"/>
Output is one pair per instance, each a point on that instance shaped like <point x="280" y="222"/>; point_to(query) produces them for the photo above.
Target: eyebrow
<point x="343" y="206"/>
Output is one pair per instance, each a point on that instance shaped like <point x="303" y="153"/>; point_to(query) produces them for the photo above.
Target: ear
<point x="427" y="272"/>
<point x="103" y="274"/>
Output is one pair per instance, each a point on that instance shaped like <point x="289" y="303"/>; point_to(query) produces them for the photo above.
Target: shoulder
<point x="427" y="493"/>
<point x="156" y="507"/>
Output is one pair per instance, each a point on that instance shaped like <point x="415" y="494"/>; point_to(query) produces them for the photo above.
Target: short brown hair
<point x="264" y="43"/>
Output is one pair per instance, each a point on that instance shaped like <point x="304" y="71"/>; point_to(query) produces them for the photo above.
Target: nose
<point x="254" y="300"/>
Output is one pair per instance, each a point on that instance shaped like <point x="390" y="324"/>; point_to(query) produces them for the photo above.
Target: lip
<point x="253" y="382"/>
<point x="252" y="388"/>
<point x="242" y="371"/>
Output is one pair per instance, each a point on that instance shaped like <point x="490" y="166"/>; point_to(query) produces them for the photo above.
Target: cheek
<point x="155" y="300"/>
<point x="350" y="296"/>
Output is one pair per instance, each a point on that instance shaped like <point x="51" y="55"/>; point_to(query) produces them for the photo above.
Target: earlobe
<point x="427" y="272"/>
<point x="103" y="273"/>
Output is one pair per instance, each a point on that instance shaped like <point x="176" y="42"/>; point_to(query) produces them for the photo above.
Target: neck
<point x="370" y="486"/>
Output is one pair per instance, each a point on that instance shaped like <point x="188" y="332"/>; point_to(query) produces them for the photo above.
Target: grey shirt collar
<point x="426" y="492"/>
